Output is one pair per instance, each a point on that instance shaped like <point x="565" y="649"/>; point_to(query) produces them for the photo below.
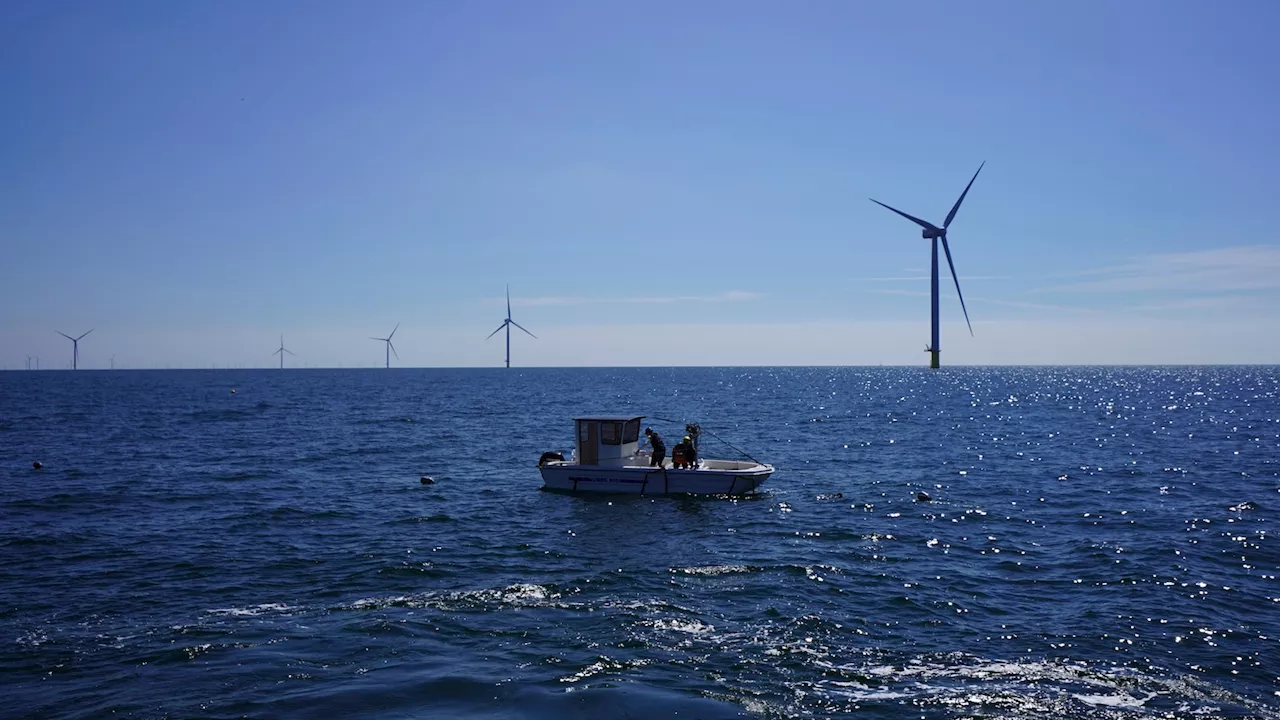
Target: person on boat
<point x="684" y="455"/>
<point x="677" y="455"/>
<point x="690" y="453"/>
<point x="659" y="448"/>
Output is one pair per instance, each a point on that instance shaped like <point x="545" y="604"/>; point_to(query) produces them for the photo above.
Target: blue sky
<point x="659" y="183"/>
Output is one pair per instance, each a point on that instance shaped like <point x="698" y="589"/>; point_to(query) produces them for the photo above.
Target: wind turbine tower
<point x="390" y="348"/>
<point x="929" y="231"/>
<point x="282" y="351"/>
<point x="507" y="324"/>
<point x="75" y="348"/>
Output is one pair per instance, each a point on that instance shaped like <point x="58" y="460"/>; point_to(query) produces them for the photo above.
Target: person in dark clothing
<point x="690" y="453"/>
<point x="659" y="449"/>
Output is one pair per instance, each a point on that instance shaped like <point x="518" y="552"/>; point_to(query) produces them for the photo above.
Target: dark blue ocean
<point x="1101" y="543"/>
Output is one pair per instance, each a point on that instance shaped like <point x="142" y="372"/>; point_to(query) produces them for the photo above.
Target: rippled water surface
<point x="1099" y="543"/>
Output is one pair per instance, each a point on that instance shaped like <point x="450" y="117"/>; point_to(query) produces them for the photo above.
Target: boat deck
<point x="703" y="465"/>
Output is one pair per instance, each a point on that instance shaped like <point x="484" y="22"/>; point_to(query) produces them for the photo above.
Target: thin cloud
<point x="1232" y="269"/>
<point x="564" y="301"/>
<point x="540" y="301"/>
<point x="1208" y="302"/>
<point x="909" y="293"/>
<point x="1036" y="306"/>
<point x="1214" y="302"/>
<point x="913" y="278"/>
<point x="731" y="296"/>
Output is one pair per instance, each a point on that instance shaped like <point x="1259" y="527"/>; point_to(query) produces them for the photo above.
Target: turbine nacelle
<point x="931" y="233"/>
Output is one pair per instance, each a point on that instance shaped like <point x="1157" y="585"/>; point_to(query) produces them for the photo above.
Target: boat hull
<point x="640" y="480"/>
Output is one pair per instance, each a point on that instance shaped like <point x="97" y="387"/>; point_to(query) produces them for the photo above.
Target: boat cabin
<point x="606" y="440"/>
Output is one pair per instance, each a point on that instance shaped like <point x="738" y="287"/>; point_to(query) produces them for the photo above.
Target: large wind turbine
<point x="75" y="347"/>
<point x="507" y="324"/>
<point x="390" y="348"/>
<point x="282" y="351"/>
<point x="935" y="233"/>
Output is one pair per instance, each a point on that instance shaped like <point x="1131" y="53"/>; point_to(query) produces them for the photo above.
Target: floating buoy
<point x="233" y="391"/>
<point x="923" y="496"/>
<point x="428" y="480"/>
<point x="37" y="465"/>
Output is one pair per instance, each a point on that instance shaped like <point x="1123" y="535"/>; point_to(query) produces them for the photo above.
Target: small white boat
<point x="607" y="459"/>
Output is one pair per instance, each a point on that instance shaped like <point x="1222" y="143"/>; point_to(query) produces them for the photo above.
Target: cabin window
<point x="584" y="432"/>
<point x="610" y="433"/>
<point x="631" y="431"/>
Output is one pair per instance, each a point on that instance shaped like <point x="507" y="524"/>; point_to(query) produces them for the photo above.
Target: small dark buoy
<point x="37" y="465"/>
<point x="427" y="480"/>
<point x="923" y="496"/>
<point x="233" y="391"/>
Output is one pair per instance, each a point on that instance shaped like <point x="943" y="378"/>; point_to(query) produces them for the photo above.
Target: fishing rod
<point x="701" y="430"/>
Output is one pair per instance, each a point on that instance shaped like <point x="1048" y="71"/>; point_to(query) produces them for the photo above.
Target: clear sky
<point x="660" y="183"/>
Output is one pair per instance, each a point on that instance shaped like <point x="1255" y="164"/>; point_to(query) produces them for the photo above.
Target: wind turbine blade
<point x="508" y="302"/>
<point x="495" y="332"/>
<point x="66" y="336"/>
<point x="393" y="349"/>
<point x="951" y="215"/>
<point x="277" y="352"/>
<point x="378" y="339"/>
<point x="290" y="352"/>
<point x="393" y="332"/>
<point x="82" y="336"/>
<point x="957" y="279"/>
<point x="535" y="337"/>
<point x="912" y="218"/>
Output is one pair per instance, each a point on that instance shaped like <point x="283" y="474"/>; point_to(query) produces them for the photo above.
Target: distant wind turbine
<point x="507" y="324"/>
<point x="75" y="347"/>
<point x="933" y="232"/>
<point x="390" y="348"/>
<point x="28" y="362"/>
<point x="282" y="351"/>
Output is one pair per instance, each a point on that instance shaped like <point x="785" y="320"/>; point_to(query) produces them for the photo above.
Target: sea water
<point x="1095" y="542"/>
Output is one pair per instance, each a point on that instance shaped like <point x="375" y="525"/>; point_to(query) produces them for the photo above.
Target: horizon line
<point x="380" y="368"/>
